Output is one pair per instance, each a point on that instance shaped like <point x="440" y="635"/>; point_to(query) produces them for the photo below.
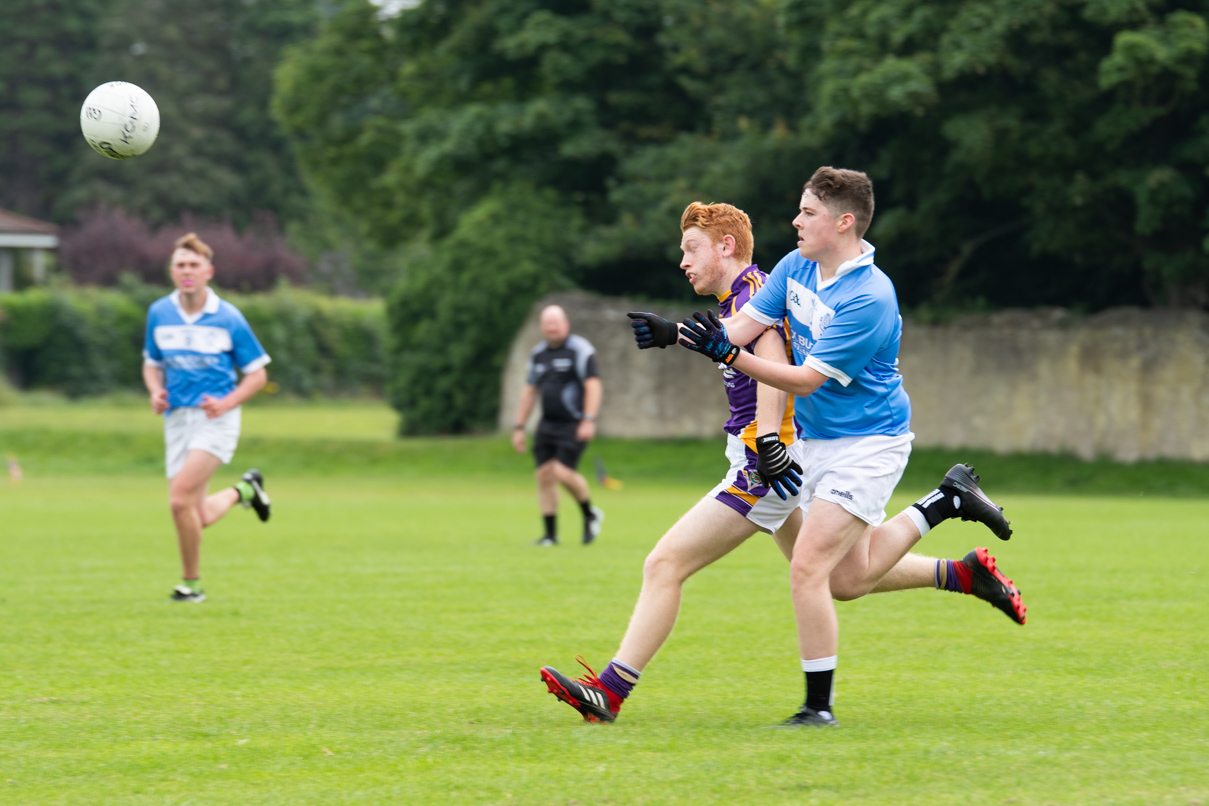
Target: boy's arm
<point x="153" y="379"/>
<point x="798" y="381"/>
<point x="706" y="335"/>
<point x="742" y="329"/>
<point x="251" y="383"/>
<point x="770" y="401"/>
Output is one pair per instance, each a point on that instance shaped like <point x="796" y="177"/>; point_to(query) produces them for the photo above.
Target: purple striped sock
<point x="620" y="678"/>
<point x="952" y="583"/>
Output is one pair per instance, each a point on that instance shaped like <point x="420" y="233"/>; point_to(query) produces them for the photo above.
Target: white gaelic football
<point x="119" y="120"/>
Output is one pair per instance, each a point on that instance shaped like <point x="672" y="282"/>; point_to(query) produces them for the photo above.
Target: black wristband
<point x="767" y="439"/>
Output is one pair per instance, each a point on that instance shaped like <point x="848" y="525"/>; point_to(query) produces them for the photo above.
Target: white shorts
<point x="187" y="429"/>
<point x="743" y="491"/>
<point x="858" y="473"/>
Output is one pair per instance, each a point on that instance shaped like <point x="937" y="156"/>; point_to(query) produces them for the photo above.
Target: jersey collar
<point x="849" y="266"/>
<point x="210" y="306"/>
<point x="737" y="285"/>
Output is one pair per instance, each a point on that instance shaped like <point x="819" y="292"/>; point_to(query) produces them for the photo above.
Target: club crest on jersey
<point x="753" y="479"/>
<point x="808" y="308"/>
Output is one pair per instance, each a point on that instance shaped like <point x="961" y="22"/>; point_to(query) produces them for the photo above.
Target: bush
<point x="320" y="345"/>
<point x="107" y="243"/>
<point x="89" y="341"/>
<point x="83" y="342"/>
<point x="453" y="317"/>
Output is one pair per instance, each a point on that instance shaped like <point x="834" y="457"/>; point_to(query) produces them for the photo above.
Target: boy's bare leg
<point x="706" y="533"/>
<point x="217" y="505"/>
<point x="828" y="533"/>
<point x="879" y="561"/>
<point x="186" y="496"/>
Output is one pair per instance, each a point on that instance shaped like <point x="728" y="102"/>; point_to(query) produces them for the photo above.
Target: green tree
<point x="209" y="67"/>
<point x="408" y="121"/>
<point x="453" y="317"/>
<point x="48" y="51"/>
<point x="1025" y="152"/>
<point x="416" y="124"/>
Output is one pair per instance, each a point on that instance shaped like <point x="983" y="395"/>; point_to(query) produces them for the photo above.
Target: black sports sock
<point x="586" y="506"/>
<point x="818" y="689"/>
<point x="938" y="506"/>
<point x="550" y="527"/>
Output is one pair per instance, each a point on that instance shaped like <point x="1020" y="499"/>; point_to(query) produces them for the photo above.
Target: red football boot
<point x="587" y="695"/>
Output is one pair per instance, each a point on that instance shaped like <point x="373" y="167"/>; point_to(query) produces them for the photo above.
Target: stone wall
<point x="647" y="393"/>
<point x="1126" y="383"/>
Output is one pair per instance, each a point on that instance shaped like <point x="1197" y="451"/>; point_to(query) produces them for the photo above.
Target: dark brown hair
<point x="844" y="191"/>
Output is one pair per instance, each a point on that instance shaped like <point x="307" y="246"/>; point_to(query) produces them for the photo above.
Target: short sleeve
<point x="585" y="357"/>
<point x="767" y="306"/>
<point x="249" y="355"/>
<point x="152" y="356"/>
<point x="590" y="370"/>
<point x="860" y="329"/>
<point x="531" y="371"/>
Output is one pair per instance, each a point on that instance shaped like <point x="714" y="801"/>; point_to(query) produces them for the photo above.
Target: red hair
<point x="719" y="220"/>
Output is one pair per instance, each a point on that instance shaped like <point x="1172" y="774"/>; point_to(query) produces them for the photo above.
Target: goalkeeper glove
<point x="776" y="468"/>
<point x="706" y="335"/>
<point x="651" y="330"/>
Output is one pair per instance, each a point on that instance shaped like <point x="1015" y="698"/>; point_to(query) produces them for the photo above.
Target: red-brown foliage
<point x="104" y="243"/>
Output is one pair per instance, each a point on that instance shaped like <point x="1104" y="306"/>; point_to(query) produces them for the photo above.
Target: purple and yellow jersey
<point x="740" y="389"/>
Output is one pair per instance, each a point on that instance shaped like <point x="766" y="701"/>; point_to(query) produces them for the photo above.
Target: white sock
<point x="917" y="518"/>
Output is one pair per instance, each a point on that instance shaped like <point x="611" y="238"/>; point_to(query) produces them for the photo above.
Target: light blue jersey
<point x="199" y="353"/>
<point x="849" y="330"/>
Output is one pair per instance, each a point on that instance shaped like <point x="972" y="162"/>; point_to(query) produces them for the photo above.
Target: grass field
<point x="379" y="640"/>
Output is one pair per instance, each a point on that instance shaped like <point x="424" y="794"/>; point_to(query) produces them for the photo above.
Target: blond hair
<point x="193" y="243"/>
<point x="719" y="220"/>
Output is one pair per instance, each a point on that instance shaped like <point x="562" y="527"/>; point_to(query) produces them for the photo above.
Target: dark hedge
<point x="89" y="341"/>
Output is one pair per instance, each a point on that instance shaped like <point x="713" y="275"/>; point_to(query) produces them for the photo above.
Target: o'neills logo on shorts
<point x="842" y="494"/>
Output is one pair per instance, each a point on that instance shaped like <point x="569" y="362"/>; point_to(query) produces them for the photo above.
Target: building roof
<point x="15" y="224"/>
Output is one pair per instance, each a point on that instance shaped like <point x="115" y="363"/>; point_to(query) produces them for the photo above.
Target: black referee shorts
<point x="556" y="440"/>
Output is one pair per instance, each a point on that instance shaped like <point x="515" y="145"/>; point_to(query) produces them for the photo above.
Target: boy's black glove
<point x="705" y="334"/>
<point x="652" y="331"/>
<point x="778" y="471"/>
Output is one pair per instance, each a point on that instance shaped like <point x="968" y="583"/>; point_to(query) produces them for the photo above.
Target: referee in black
<point x="563" y="372"/>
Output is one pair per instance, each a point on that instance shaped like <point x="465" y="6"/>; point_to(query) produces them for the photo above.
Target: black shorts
<point x="556" y="440"/>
